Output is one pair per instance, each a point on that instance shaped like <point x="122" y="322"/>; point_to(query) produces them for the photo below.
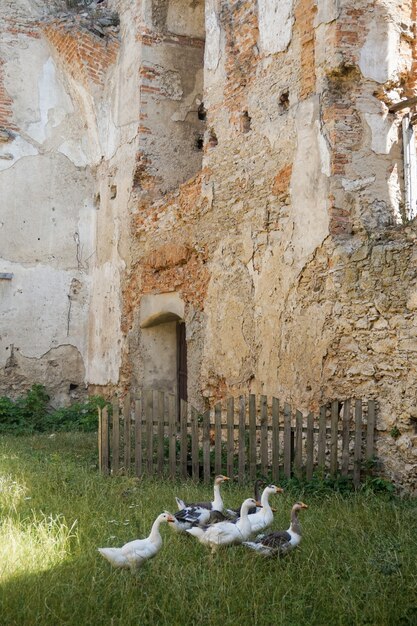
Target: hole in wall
<point x="213" y="141"/>
<point x="113" y="191"/>
<point x="73" y="386"/>
<point x="245" y="122"/>
<point x="284" y="101"/>
<point x="199" y="142"/>
<point x="201" y="112"/>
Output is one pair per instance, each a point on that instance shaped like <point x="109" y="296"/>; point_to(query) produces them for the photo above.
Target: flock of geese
<point x="214" y="525"/>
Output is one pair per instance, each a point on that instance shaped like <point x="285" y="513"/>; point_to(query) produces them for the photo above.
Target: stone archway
<point x="163" y="343"/>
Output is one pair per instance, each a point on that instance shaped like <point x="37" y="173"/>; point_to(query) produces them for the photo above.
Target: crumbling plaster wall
<point x="46" y="215"/>
<point x="290" y="248"/>
<point x="69" y="117"/>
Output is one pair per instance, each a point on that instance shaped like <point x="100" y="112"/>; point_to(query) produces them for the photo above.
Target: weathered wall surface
<point x="237" y="159"/>
<point x="47" y="214"/>
<point x="290" y="249"/>
<point x="66" y="117"/>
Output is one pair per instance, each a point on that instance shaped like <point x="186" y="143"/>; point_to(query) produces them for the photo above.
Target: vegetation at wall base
<point x="355" y="564"/>
<point x="32" y="413"/>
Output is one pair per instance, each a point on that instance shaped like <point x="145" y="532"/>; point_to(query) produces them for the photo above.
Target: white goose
<point x="199" y="512"/>
<point x="265" y="516"/>
<point x="226" y="533"/>
<point x="134" y="553"/>
<point x="282" y="541"/>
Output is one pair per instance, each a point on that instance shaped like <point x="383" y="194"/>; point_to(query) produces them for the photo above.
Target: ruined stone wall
<point x="241" y="167"/>
<point x="291" y="249"/>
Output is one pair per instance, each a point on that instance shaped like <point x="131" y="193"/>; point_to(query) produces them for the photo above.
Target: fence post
<point x="321" y="452"/>
<point x="230" y="435"/>
<point x="104" y="440"/>
<point x="194" y="444"/>
<point x="172" y="434"/>
<point x="218" y="438"/>
<point x="298" y="460"/>
<point x="115" y="435"/>
<point x="160" y="416"/>
<point x="264" y="435"/>
<point x="287" y="441"/>
<point x="126" y="420"/>
<point x="138" y="438"/>
<point x="333" y="437"/>
<point x="252" y="436"/>
<point x="310" y="446"/>
<point x="345" y="438"/>
<point x="184" y="442"/>
<point x="242" y="438"/>
<point x="206" y="446"/>
<point x="275" y="440"/>
<point x="370" y="430"/>
<point x="357" y="453"/>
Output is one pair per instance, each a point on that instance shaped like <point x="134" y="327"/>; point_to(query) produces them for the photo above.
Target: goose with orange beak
<point x="278" y="543"/>
<point x="265" y="515"/>
<point x="136" y="552"/>
<point x="199" y="513"/>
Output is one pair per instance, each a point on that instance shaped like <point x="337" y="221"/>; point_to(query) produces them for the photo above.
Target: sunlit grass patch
<point x="12" y="493"/>
<point x="34" y="544"/>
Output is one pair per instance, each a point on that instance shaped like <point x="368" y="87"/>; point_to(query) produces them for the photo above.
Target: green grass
<point x="357" y="563"/>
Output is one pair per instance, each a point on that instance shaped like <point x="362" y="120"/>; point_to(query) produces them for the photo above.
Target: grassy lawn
<point x="357" y="563"/>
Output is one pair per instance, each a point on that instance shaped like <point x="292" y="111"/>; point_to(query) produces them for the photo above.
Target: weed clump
<point x="32" y="413"/>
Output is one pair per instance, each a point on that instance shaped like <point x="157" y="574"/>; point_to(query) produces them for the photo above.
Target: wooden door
<point x="182" y="362"/>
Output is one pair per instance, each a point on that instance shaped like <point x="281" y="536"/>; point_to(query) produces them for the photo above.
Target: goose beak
<point x="259" y="505"/>
<point x="304" y="506"/>
<point x="171" y="519"/>
<point x="279" y="490"/>
<point x="225" y="478"/>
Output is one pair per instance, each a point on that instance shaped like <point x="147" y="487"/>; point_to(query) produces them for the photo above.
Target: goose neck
<point x="217" y="502"/>
<point x="295" y="522"/>
<point x="155" y="535"/>
<point x="265" y="500"/>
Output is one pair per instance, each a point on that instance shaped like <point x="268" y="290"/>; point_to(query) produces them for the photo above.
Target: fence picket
<point x="138" y="438"/>
<point x="264" y="435"/>
<point x="126" y="426"/>
<point x="333" y="437"/>
<point x="321" y="446"/>
<point x="115" y="436"/>
<point x="160" y="416"/>
<point x="104" y="441"/>
<point x="345" y="438"/>
<point x="194" y="445"/>
<point x="252" y="436"/>
<point x="370" y="430"/>
<point x="242" y="438"/>
<point x="275" y="439"/>
<point x="287" y="441"/>
<point x="206" y="446"/>
<point x="149" y="429"/>
<point x="298" y="460"/>
<point x="172" y="434"/>
<point x="184" y="439"/>
<point x="218" y="439"/>
<point x="230" y="435"/>
<point x="357" y="453"/>
<point x="310" y="446"/>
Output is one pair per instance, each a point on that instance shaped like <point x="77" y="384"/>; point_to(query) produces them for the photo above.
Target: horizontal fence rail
<point x="246" y="436"/>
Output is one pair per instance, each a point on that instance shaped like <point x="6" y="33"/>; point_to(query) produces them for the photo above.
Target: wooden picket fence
<point x="247" y="437"/>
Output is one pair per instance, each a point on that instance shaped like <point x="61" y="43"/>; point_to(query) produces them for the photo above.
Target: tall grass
<point x="357" y="563"/>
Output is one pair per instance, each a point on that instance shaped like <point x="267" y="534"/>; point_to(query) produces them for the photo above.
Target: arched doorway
<point x="163" y="344"/>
